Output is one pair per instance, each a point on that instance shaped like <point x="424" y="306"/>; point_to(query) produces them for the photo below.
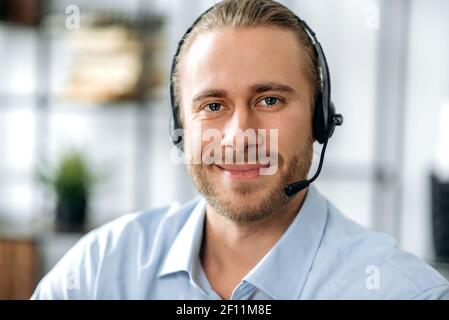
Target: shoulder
<point x="145" y="225"/>
<point x="370" y="264"/>
<point x="108" y="250"/>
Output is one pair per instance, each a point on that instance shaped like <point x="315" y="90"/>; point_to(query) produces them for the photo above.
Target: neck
<point x="231" y="249"/>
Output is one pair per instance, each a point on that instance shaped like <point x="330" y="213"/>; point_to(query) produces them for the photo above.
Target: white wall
<point x="427" y="89"/>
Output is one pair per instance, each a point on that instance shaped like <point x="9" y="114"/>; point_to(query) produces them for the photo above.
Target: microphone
<point x="293" y="188"/>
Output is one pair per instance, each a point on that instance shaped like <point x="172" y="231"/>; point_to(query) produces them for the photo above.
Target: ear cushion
<point x="330" y="117"/>
<point x="318" y="122"/>
<point x="322" y="120"/>
<point x="176" y="136"/>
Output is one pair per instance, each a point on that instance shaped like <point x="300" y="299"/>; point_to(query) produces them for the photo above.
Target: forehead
<point x="238" y="57"/>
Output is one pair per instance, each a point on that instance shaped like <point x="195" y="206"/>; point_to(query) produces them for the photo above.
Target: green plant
<point x="72" y="182"/>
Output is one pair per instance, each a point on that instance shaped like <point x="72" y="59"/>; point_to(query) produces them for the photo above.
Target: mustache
<point x="231" y="155"/>
<point x="272" y="161"/>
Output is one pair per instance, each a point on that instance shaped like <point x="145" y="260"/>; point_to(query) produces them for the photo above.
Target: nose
<point x="240" y="131"/>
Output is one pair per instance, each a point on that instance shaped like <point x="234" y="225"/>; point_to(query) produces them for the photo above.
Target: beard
<point x="244" y="201"/>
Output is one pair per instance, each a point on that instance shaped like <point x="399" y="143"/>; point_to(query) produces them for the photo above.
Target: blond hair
<point x="249" y="13"/>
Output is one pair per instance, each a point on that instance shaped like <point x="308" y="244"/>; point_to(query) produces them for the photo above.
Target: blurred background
<point x="84" y="120"/>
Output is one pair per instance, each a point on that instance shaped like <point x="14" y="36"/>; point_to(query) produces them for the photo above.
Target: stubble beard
<point x="255" y="204"/>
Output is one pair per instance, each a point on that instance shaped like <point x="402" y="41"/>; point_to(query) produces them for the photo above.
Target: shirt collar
<point x="183" y="254"/>
<point x="283" y="271"/>
<point x="290" y="258"/>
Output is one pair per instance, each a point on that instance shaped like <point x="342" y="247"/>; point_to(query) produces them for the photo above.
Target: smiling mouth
<point x="241" y="171"/>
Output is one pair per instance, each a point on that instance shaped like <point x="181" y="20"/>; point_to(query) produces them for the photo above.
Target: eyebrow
<point x="255" y="88"/>
<point x="209" y="93"/>
<point x="271" y="86"/>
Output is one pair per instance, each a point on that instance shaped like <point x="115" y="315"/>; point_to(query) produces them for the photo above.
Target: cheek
<point x="295" y="135"/>
<point x="190" y="140"/>
<point x="294" y="131"/>
<point x="199" y="136"/>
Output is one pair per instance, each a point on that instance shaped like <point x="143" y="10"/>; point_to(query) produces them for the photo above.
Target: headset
<point x="325" y="118"/>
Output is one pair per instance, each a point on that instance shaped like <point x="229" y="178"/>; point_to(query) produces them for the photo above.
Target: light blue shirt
<point x="322" y="255"/>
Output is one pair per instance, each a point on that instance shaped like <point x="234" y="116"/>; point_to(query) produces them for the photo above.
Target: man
<point x="246" y="64"/>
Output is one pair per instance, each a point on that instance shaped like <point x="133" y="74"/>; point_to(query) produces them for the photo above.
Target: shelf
<point x="16" y="102"/>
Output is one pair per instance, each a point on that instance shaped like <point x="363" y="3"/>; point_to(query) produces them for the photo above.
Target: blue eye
<point x="213" y="107"/>
<point x="271" y="101"/>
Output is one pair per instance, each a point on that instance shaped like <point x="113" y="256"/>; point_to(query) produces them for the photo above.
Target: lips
<point x="241" y="167"/>
<point x="241" y="171"/>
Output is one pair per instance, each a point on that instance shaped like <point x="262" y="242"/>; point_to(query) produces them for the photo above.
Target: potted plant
<point x="72" y="182"/>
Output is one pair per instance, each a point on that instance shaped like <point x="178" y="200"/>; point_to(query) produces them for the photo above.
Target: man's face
<point x="255" y="78"/>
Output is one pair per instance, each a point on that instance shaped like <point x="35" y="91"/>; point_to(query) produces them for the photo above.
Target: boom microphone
<point x="295" y="187"/>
